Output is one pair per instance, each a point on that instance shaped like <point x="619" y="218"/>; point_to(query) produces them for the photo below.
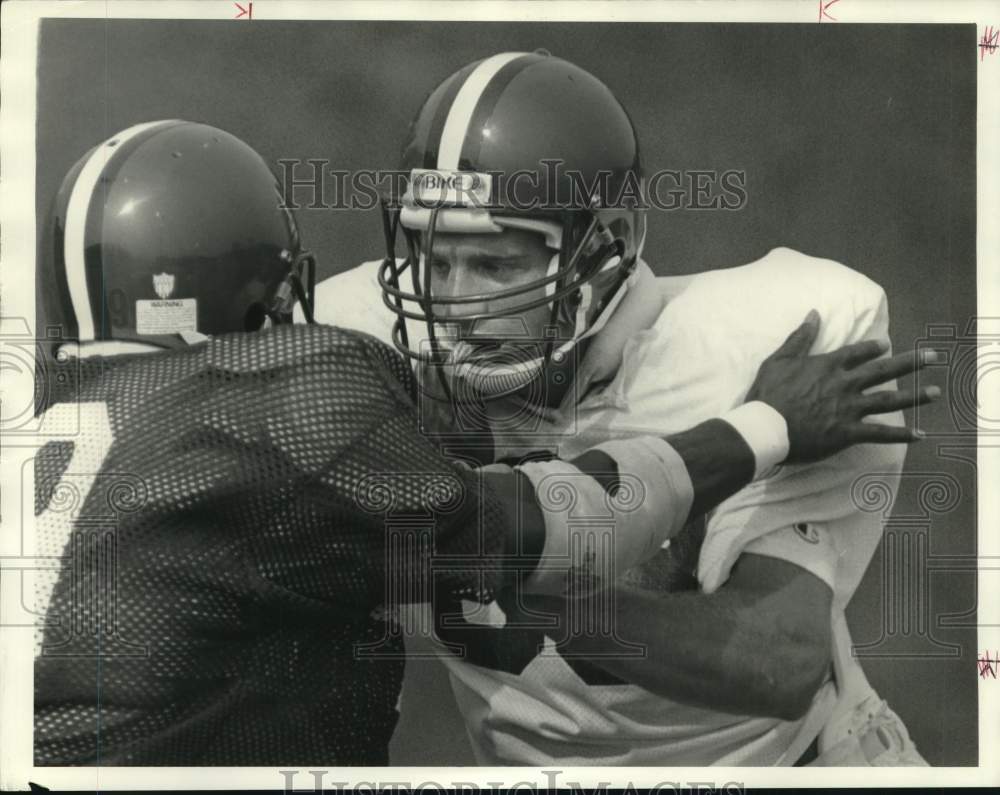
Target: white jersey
<point x="695" y="360"/>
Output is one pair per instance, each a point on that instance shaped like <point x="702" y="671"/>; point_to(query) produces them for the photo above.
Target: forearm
<point x="721" y="651"/>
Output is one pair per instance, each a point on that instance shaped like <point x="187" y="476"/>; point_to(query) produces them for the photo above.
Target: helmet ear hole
<point x="255" y="316"/>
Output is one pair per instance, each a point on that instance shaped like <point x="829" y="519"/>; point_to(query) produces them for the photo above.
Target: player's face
<point x="466" y="265"/>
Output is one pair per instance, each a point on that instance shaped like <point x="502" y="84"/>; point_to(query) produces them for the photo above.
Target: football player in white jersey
<point x="535" y="325"/>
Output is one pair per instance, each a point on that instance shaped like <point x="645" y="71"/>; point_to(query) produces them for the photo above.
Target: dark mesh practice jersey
<point x="231" y="525"/>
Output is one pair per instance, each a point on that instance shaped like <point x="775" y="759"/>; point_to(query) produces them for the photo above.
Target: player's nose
<point x="459" y="284"/>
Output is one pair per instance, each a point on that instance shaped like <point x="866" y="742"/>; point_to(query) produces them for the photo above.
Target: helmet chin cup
<point x="501" y="372"/>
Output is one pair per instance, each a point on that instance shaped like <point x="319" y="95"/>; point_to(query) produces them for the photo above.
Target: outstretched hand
<point x="823" y="398"/>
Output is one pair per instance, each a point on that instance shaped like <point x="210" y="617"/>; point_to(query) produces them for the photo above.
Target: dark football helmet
<point x="525" y="141"/>
<point x="171" y="227"/>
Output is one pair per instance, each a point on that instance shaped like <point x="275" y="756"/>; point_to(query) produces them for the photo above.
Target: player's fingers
<point x="882" y="370"/>
<point x="874" y="433"/>
<point x="851" y="356"/>
<point x="893" y="400"/>
<point x="801" y="340"/>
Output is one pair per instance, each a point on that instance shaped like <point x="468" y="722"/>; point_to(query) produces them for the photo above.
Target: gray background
<point x="858" y="143"/>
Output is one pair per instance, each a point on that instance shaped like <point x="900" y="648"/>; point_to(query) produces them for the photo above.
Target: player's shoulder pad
<point x="353" y="299"/>
<point x="771" y="296"/>
<point x="800" y="271"/>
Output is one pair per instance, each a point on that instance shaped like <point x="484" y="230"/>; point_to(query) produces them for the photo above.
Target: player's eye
<point x="492" y="270"/>
<point x="440" y="268"/>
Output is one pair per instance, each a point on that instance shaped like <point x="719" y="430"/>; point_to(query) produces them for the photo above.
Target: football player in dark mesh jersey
<point x="236" y="504"/>
<point x="214" y="498"/>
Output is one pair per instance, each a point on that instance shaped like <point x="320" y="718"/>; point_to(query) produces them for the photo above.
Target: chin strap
<point x="580" y="330"/>
<point x="294" y="290"/>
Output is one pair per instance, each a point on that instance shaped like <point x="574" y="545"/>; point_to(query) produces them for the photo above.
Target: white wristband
<point x="765" y="431"/>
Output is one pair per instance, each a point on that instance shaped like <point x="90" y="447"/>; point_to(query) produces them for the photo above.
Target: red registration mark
<point x="989" y="42"/>
<point x="824" y="10"/>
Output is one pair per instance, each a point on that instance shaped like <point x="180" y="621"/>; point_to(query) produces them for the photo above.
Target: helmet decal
<point x="163" y="283"/>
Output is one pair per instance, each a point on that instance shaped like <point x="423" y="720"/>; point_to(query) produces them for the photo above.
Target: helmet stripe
<point x="473" y="137"/>
<point x="462" y="109"/>
<point x="440" y="112"/>
<point x="77" y="212"/>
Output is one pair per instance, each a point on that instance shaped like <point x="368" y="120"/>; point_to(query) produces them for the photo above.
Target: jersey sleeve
<point x="348" y="500"/>
<point x="352" y="299"/>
